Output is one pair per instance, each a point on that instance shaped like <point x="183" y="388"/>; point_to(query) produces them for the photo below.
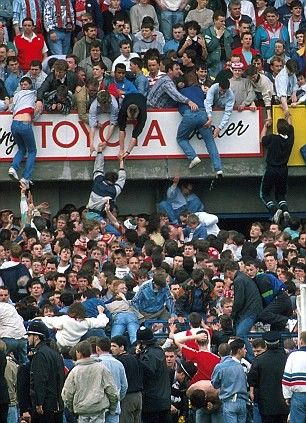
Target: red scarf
<point x="58" y="12"/>
<point x="38" y="24"/>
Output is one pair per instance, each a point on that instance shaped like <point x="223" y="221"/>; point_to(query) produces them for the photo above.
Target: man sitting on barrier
<point x="194" y="121"/>
<point x="180" y="198"/>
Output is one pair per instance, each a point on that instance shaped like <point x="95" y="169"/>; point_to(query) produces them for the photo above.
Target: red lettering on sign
<point x="101" y="135"/>
<point x="154" y="126"/>
<point x="58" y="142"/>
<point x="43" y="132"/>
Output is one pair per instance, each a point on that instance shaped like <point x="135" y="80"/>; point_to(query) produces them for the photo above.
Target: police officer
<point x="47" y="377"/>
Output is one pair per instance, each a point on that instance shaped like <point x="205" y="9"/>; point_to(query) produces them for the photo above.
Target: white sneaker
<point x="194" y="162"/>
<point x="26" y="182"/>
<point x="277" y="216"/>
<point x="219" y="174"/>
<point x="13" y="174"/>
<point x="286" y="217"/>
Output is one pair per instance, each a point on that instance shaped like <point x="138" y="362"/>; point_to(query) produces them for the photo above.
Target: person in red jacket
<point x="246" y="52"/>
<point x="29" y="45"/>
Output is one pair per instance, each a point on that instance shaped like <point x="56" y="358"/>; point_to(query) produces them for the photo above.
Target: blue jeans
<point x="125" y="321"/>
<point x="168" y="19"/>
<point x="243" y="327"/>
<point x="62" y="45"/>
<point x="111" y="418"/>
<point x="93" y="332"/>
<point x="256" y="414"/>
<point x="19" y="347"/>
<point x="12" y="416"/>
<point x="24" y="138"/>
<point x="202" y="416"/>
<point x="194" y="204"/>
<point x="190" y="122"/>
<point x="298" y="407"/>
<point x="234" y="411"/>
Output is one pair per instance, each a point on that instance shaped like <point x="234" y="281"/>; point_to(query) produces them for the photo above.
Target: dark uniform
<point x="46" y="378"/>
<point x="156" y="396"/>
<point x="265" y="376"/>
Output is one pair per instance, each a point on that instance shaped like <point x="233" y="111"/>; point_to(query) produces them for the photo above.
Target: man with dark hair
<point x="229" y="377"/>
<point x="247" y="302"/>
<point x="266" y="380"/>
<point x="141" y="82"/>
<point x="36" y="74"/>
<point x="82" y="47"/>
<point x="125" y="56"/>
<point x="164" y="93"/>
<point x="154" y="299"/>
<point x="95" y="56"/>
<point x="180" y="197"/>
<point x="219" y="95"/>
<point x="286" y="86"/>
<point x="202" y="397"/>
<point x="111" y="43"/>
<point x="218" y="41"/>
<point x="116" y="368"/>
<point x="195" y="295"/>
<point x="106" y="186"/>
<point x="133" y="108"/>
<point x="89" y="389"/>
<point x="60" y="76"/>
<point x="131" y="405"/>
<point x="196" y="121"/>
<point x="14" y="274"/>
<point x="269" y="33"/>
<point x="29" y="46"/>
<point x="279" y="147"/>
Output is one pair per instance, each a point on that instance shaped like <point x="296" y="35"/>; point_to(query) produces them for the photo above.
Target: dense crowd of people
<point x="163" y="317"/>
<point x="185" y="317"/>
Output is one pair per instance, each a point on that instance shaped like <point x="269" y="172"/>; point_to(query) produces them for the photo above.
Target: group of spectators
<point x="121" y="57"/>
<point x="112" y="319"/>
<point x="167" y="296"/>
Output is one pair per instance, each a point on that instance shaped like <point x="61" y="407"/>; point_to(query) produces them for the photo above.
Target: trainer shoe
<point x="277" y="216"/>
<point x="219" y="174"/>
<point x="287" y="217"/>
<point x="26" y="182"/>
<point x="13" y="174"/>
<point x="194" y="162"/>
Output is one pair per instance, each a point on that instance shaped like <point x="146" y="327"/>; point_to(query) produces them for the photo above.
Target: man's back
<point x="247" y="299"/>
<point x="229" y="377"/>
<point x="90" y="388"/>
<point x="156" y="391"/>
<point x="47" y="378"/>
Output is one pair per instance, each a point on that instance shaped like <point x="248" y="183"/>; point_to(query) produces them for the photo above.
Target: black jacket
<point x="46" y="378"/>
<point x="51" y="84"/>
<point x="266" y="376"/>
<point x="247" y="299"/>
<point x="156" y="394"/>
<point x="4" y="395"/>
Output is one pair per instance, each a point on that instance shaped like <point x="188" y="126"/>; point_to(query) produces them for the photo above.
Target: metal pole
<point x="302" y="308"/>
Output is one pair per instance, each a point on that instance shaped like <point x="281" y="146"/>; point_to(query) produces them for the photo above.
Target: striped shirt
<point x="164" y="94"/>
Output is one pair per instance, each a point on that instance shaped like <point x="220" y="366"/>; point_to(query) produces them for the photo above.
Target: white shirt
<point x="125" y="60"/>
<point x="11" y="323"/>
